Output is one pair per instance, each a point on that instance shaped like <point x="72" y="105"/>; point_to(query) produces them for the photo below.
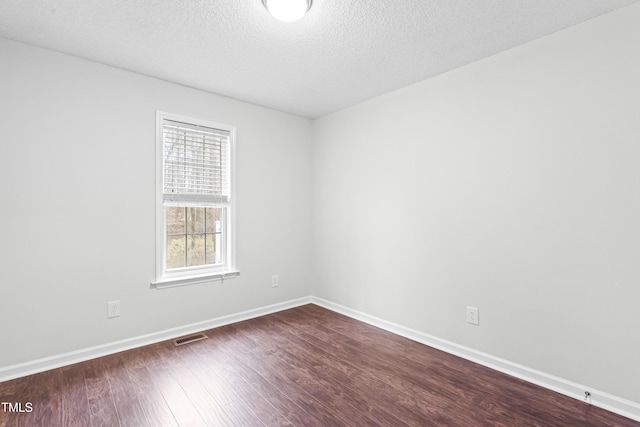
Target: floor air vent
<point x="189" y="339"/>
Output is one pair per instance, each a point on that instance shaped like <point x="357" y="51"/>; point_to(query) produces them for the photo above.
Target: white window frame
<point x="198" y="274"/>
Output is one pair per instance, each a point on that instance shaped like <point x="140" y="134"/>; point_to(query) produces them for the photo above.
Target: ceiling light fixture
<point x="287" y="10"/>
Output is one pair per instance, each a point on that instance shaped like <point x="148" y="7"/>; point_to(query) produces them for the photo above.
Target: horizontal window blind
<point x="196" y="165"/>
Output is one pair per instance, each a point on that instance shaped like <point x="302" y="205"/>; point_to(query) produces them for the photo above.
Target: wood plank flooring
<point x="302" y="367"/>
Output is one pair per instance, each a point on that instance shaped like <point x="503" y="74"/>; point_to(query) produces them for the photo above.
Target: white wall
<point x="511" y="184"/>
<point x="77" y="171"/>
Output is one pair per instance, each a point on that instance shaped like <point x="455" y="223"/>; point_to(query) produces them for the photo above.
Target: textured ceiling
<point x="339" y="54"/>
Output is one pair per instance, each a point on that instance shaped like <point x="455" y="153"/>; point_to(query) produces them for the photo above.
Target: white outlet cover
<point x="473" y="315"/>
<point x="113" y="309"/>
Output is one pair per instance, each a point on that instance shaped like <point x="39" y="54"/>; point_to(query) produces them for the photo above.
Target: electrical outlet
<point x="274" y="281"/>
<point x="113" y="309"/>
<point x="473" y="316"/>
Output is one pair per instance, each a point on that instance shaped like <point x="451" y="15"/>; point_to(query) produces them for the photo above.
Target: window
<point x="195" y="199"/>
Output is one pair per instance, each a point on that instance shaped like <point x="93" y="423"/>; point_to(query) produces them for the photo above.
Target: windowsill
<point x="192" y="280"/>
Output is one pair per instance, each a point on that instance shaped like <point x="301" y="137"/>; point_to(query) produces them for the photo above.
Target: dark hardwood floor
<point x="302" y="367"/>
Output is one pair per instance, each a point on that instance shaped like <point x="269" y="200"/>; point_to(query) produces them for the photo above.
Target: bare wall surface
<point x="77" y="173"/>
<point x="511" y="185"/>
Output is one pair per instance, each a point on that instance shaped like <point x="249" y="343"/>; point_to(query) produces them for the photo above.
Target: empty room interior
<point x="376" y="213"/>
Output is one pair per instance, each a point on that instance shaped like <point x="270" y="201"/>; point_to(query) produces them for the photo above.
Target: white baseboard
<point x="57" y="361"/>
<point x="600" y="399"/>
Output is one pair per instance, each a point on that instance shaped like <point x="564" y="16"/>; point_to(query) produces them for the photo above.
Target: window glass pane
<point x="213" y="215"/>
<point x="211" y="251"/>
<point x="195" y="250"/>
<point x="195" y="220"/>
<point x="176" y="256"/>
<point x="175" y="220"/>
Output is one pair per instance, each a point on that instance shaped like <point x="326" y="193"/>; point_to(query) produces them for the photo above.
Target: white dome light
<point x="287" y="10"/>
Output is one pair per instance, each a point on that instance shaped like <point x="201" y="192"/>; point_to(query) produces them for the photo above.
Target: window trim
<point x="200" y="274"/>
